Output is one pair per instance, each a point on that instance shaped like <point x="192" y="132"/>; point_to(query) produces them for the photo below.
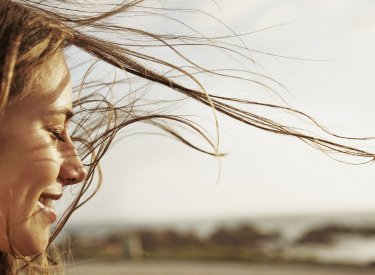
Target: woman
<point x="38" y="158"/>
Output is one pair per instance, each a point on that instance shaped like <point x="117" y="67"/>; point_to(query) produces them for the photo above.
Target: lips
<point x="45" y="204"/>
<point x="47" y="198"/>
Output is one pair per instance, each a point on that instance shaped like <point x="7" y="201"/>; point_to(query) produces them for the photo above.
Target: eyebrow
<point x="67" y="112"/>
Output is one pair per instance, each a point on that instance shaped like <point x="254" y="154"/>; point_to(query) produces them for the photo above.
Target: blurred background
<point x="279" y="205"/>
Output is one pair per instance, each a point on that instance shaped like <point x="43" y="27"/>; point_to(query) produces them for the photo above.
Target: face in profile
<point x="37" y="159"/>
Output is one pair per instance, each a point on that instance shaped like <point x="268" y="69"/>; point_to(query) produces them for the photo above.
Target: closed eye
<point x="57" y="135"/>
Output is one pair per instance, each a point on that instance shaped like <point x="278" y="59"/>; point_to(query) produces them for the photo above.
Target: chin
<point x="30" y="241"/>
<point x="32" y="249"/>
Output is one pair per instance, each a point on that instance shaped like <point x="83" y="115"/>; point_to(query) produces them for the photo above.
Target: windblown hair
<point x="33" y="31"/>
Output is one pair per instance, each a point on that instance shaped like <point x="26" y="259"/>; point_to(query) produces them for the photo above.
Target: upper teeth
<point x="46" y="201"/>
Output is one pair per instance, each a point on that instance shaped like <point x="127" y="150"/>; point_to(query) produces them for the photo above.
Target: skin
<point x="33" y="161"/>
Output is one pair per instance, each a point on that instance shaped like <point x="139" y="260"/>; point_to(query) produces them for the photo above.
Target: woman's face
<point x="37" y="159"/>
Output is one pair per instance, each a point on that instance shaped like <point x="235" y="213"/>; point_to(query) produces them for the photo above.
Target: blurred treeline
<point x="240" y="243"/>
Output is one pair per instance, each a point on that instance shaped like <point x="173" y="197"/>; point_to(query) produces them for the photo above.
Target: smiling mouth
<point x="45" y="202"/>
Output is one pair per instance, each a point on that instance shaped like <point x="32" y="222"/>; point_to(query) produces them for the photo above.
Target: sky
<point x="154" y="179"/>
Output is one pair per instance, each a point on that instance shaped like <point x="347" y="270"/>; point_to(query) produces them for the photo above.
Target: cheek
<point x="42" y="172"/>
<point x="33" y="178"/>
<point x="39" y="168"/>
<point x="17" y="203"/>
<point x="27" y="177"/>
<point x="18" y="197"/>
<point x="28" y="164"/>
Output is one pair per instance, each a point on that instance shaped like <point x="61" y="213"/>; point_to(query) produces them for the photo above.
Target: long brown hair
<point x="32" y="31"/>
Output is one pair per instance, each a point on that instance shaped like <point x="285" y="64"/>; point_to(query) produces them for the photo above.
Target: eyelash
<point x="57" y="135"/>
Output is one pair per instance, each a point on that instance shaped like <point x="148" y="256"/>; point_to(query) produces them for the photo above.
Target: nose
<point x="72" y="170"/>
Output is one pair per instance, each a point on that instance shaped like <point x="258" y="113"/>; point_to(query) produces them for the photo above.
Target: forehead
<point x="52" y="80"/>
<point x="48" y="93"/>
<point x="49" y="89"/>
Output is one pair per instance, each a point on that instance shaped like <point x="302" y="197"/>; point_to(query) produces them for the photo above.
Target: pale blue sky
<point x="151" y="179"/>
